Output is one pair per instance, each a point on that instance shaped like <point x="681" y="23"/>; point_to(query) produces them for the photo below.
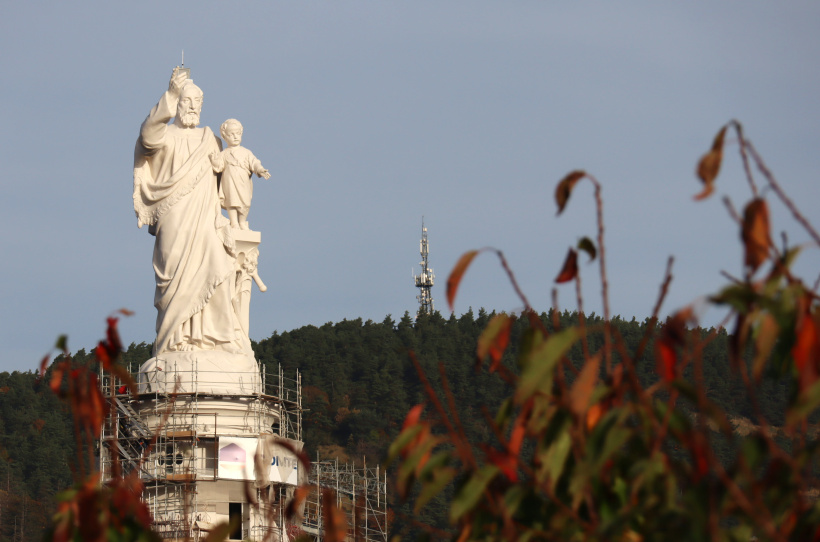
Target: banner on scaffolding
<point x="275" y="457"/>
<point x="236" y="458"/>
<point x="279" y="454"/>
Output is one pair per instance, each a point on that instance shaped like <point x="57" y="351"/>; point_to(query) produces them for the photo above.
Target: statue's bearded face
<point x="189" y="107"/>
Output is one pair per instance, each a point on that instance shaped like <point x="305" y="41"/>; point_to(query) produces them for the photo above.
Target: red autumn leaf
<point x="335" y="521"/>
<point x="570" y="269"/>
<point x="667" y="359"/>
<point x="301" y="455"/>
<point x="113" y="343"/>
<point x="593" y="415"/>
<point x="97" y="406"/>
<point x="806" y="348"/>
<point x="494" y="339"/>
<point x="57" y="377"/>
<point x="101" y="352"/>
<point x="564" y="189"/>
<point x="44" y="364"/>
<point x="700" y="459"/>
<point x="755" y="233"/>
<point x="582" y="388"/>
<point x="519" y="429"/>
<point x="506" y="462"/>
<point x="457" y="273"/>
<point x="709" y="165"/>
<point x="413" y="416"/>
<point x="675" y="327"/>
<point x="295" y="504"/>
<point x="414" y="419"/>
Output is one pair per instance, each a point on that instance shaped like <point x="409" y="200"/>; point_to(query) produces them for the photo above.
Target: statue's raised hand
<point x="178" y="79"/>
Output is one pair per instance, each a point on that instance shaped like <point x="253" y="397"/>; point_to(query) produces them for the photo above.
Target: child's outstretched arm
<point x="262" y="172"/>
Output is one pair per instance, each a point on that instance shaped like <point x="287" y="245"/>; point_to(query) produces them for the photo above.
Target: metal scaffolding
<point x="360" y="491"/>
<point x="170" y="438"/>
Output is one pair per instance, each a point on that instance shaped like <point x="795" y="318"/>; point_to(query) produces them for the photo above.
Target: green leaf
<point x="222" y="531"/>
<point x="807" y="401"/>
<point x="408" y="467"/>
<point x="429" y="489"/>
<point x="737" y="296"/>
<point x="513" y="498"/>
<point x="62" y="343"/>
<point x="504" y="412"/>
<point x="436" y="461"/>
<point x="588" y="246"/>
<point x="555" y="457"/>
<point x="614" y="441"/>
<point x="470" y="493"/>
<point x="540" y="363"/>
<point x="404" y="438"/>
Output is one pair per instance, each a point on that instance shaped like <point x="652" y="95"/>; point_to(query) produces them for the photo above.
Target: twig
<point x="451" y="402"/>
<point x="464" y="450"/>
<point x="599" y="206"/>
<point x="744" y="157"/>
<point x="581" y="318"/>
<point x="664" y="290"/>
<point x="782" y="195"/>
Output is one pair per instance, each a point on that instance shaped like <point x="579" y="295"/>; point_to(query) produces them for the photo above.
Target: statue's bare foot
<point x="186" y="347"/>
<point x="245" y="226"/>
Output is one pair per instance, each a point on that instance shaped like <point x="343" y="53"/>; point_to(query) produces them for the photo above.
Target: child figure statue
<point x="237" y="165"/>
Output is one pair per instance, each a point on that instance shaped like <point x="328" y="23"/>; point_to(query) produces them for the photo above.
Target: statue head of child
<point x="231" y="131"/>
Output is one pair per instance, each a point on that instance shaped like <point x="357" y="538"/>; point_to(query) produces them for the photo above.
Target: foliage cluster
<point x="581" y="427"/>
<point x="596" y="452"/>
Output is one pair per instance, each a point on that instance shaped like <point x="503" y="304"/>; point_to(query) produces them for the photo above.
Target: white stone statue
<point x="175" y="194"/>
<point x="237" y="165"/>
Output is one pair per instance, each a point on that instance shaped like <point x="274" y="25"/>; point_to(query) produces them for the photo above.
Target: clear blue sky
<point x="369" y="116"/>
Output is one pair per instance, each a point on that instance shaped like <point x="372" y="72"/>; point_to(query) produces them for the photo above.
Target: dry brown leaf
<point x="755" y="233"/>
<point x="570" y="269"/>
<point x="564" y="188"/>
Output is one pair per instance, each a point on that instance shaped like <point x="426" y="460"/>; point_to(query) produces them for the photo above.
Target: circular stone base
<point x="202" y="371"/>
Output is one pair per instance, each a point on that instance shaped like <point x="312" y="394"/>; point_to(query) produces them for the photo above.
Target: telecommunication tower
<point x="425" y="281"/>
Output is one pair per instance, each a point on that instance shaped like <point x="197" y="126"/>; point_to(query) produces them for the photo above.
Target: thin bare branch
<point x="798" y="216"/>
<point x="599" y="207"/>
<point x="744" y="157"/>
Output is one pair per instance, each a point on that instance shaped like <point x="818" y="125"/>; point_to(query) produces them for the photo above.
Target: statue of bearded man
<point x="175" y="194"/>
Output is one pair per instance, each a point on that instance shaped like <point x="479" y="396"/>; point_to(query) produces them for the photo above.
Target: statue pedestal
<point x="246" y="241"/>
<point x="201" y="371"/>
<point x="247" y="256"/>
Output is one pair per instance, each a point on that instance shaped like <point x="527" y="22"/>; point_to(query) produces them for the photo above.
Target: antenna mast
<point x="425" y="281"/>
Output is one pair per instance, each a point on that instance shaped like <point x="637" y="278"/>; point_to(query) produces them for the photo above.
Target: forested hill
<point x="358" y="384"/>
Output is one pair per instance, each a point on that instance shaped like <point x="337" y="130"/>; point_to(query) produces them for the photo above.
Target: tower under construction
<point x="425" y="280"/>
<point x="213" y="435"/>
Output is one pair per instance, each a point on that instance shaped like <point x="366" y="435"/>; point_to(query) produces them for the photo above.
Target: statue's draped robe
<point x="175" y="193"/>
